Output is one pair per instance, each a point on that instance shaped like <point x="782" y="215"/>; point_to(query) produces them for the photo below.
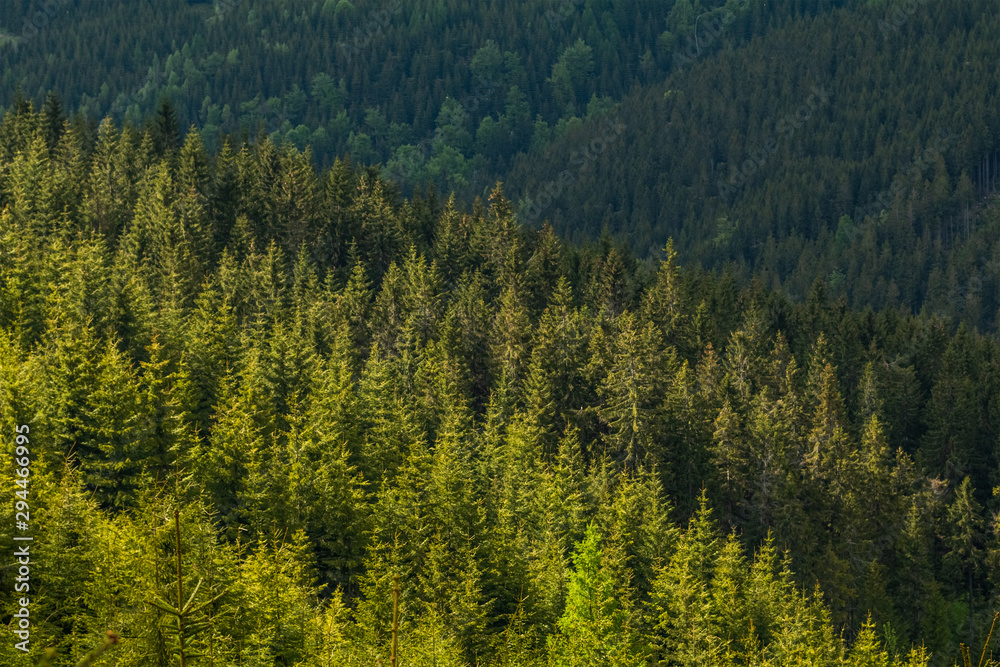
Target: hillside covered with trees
<point x="849" y="140"/>
<point x="859" y="146"/>
<point x="438" y="90"/>
<point x="563" y="456"/>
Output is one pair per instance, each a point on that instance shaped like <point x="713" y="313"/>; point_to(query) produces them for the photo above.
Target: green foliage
<point x="189" y="615"/>
<point x="335" y="386"/>
<point x="891" y="218"/>
<point x="594" y="629"/>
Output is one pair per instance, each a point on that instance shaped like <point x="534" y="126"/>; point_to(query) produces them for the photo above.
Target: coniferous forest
<point x="850" y="140"/>
<point x="589" y="333"/>
<point x="564" y="456"/>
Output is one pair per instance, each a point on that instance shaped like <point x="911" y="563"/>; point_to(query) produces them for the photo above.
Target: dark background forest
<point x="462" y="95"/>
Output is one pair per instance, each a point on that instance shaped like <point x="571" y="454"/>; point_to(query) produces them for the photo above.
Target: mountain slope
<point x="780" y="155"/>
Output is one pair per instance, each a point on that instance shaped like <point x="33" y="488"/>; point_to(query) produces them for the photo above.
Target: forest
<point x="597" y="333"/>
<point x="881" y="190"/>
<point x="282" y="415"/>
<point x="850" y="146"/>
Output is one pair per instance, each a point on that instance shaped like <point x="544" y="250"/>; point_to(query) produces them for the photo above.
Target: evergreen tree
<point x="165" y="129"/>
<point x="595" y="628"/>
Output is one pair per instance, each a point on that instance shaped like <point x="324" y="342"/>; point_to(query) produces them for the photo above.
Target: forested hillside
<point x="849" y="140"/>
<point x="408" y="84"/>
<point x="441" y="91"/>
<point x="562" y="456"/>
<point x="858" y="146"/>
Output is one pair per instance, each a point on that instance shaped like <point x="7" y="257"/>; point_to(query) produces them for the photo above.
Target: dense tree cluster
<point x="879" y="185"/>
<point x="843" y="146"/>
<point x="438" y="90"/>
<point x="564" y="456"/>
<point x="443" y="91"/>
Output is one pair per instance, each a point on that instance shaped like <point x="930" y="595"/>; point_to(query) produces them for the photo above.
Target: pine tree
<point x="234" y="467"/>
<point x="164" y="426"/>
<point x="596" y="627"/>
<point x="465" y="334"/>
<point x="352" y="308"/>
<point x="965" y="538"/>
<point x="680" y="612"/>
<point x="105" y="204"/>
<point x="33" y="189"/>
<point x="324" y="493"/>
<point x="165" y="128"/>
<point x="632" y="393"/>
<point x="664" y="303"/>
<point x="193" y="183"/>
<point x="52" y="118"/>
<point x="297" y="200"/>
<point x="278" y="598"/>
<point x="543" y="269"/>
<point x="639" y="528"/>
<point x="510" y="344"/>
<point x="555" y="388"/>
<point x="452" y="243"/>
<point x="223" y="196"/>
<point x="389" y="430"/>
<point x="732" y="456"/>
<point x="496" y="239"/>
<point x="952" y="416"/>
